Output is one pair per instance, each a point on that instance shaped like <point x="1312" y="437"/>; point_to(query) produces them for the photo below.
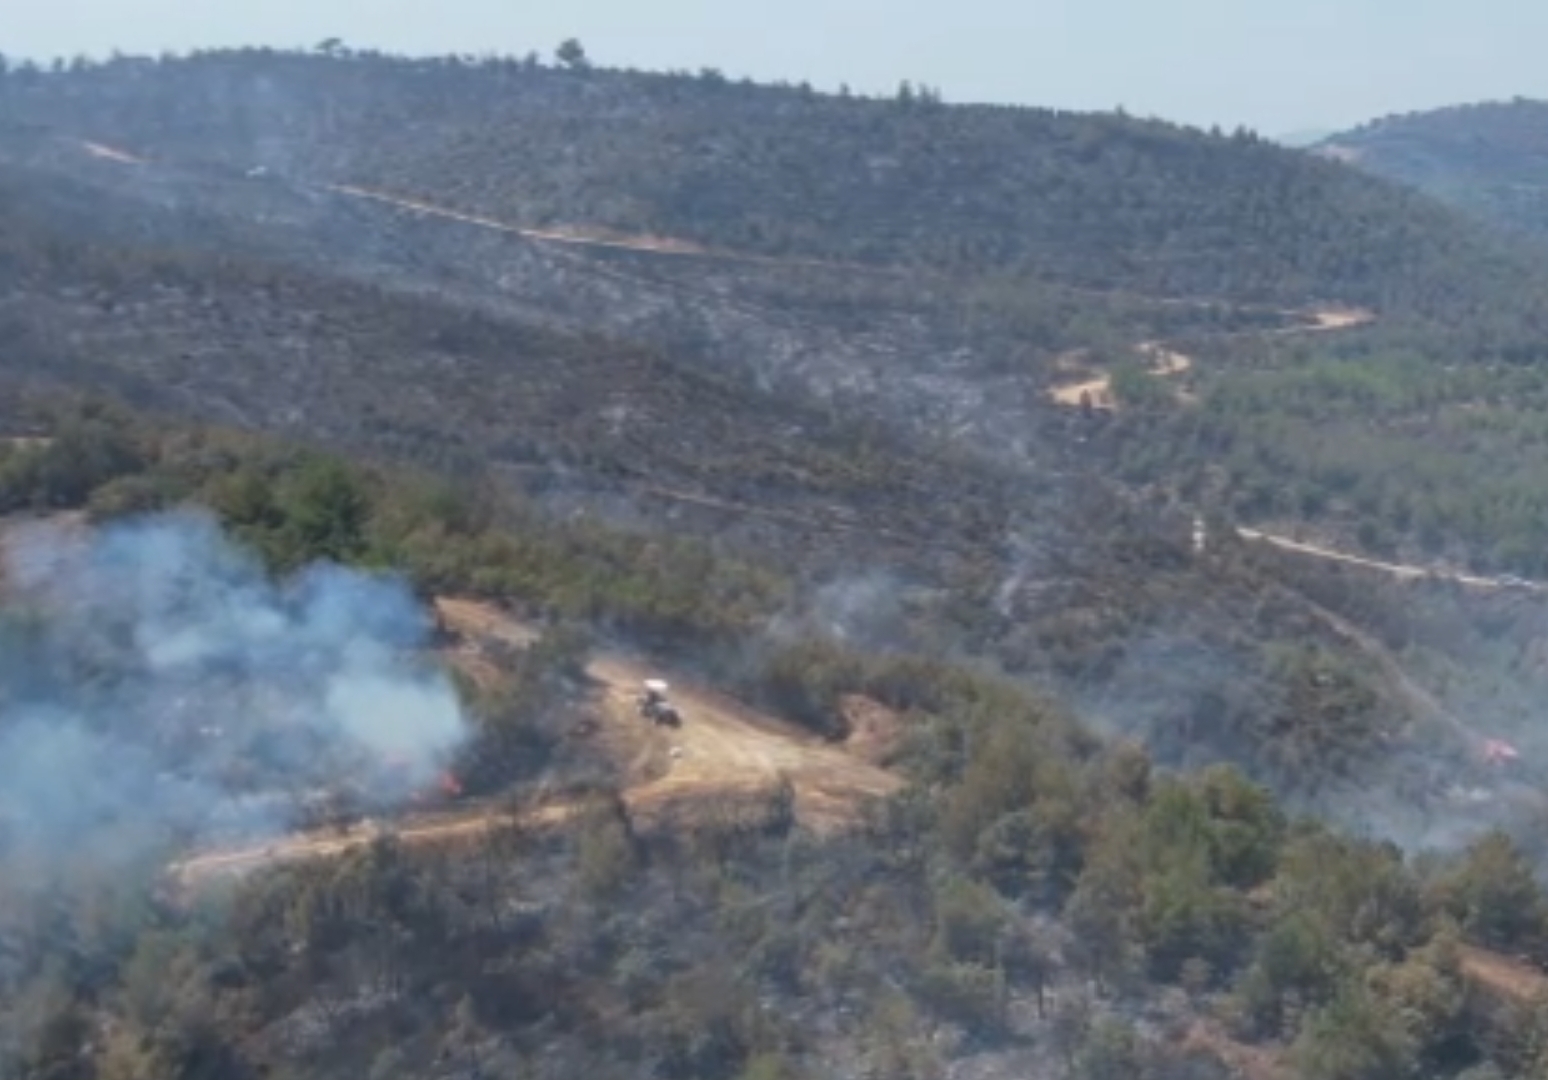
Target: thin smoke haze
<point x="155" y="682"/>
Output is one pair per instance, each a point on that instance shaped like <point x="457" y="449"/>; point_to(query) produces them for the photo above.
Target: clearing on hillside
<point x="723" y="750"/>
<point x="723" y="756"/>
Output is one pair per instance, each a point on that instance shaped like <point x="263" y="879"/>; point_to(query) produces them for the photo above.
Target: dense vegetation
<point x="1038" y="901"/>
<point x="295" y="505"/>
<point x="1490" y="158"/>
<point x="1391" y="450"/>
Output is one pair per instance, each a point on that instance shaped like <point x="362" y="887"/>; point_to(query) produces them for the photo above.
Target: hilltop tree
<point x="572" y="54"/>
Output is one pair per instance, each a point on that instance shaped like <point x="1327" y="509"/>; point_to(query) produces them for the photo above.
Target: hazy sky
<point x="1275" y="65"/>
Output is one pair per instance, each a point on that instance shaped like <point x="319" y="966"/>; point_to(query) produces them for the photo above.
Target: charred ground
<point x="940" y="299"/>
<point x="803" y="401"/>
<point x="815" y="462"/>
<point x="1030" y="896"/>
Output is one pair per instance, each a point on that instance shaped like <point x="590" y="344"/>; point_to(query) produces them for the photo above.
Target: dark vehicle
<point x="655" y="707"/>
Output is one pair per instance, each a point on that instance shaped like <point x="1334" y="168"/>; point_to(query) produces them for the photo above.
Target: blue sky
<point x="1275" y="65"/>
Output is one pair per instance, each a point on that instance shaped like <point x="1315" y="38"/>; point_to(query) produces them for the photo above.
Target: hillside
<point x="1035" y="901"/>
<point x="1051" y="576"/>
<point x="937" y="300"/>
<point x="804" y="414"/>
<point x="257" y="340"/>
<point x="1036" y="516"/>
<point x="1363" y="698"/>
<point x="1097" y="200"/>
<point x="1490" y="158"/>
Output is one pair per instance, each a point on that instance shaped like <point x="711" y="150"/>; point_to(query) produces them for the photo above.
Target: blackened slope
<point x="1103" y="200"/>
<point x="278" y="346"/>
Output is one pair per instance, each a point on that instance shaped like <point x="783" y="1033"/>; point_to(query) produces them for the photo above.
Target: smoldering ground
<point x="1319" y="719"/>
<point x="865" y="609"/>
<point x="157" y="686"/>
<point x="1373" y="765"/>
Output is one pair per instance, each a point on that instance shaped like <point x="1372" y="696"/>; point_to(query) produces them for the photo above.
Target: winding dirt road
<point x="1096" y="388"/>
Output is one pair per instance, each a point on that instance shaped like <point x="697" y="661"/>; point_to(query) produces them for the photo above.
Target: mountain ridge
<point x="769" y="170"/>
<point x="1488" y="158"/>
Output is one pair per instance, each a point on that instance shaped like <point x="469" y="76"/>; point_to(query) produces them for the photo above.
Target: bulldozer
<point x="655" y="707"/>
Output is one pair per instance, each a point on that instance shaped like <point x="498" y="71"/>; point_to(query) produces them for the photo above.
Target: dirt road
<point x="328" y="843"/>
<point x="724" y="753"/>
<point x="573" y="237"/>
<point x="723" y="745"/>
<point x="590" y="238"/>
<point x="722" y="748"/>
<point x="654" y="245"/>
<point x="1099" y="389"/>
<point x="1326" y="319"/>
<point x="110" y="153"/>
<point x="1508" y="978"/>
<point x="1401" y="570"/>
<point x="1420" y="701"/>
<point x="1164" y="362"/>
<point x="725" y="748"/>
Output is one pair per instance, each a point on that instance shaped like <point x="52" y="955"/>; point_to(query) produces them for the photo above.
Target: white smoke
<point x="155" y="681"/>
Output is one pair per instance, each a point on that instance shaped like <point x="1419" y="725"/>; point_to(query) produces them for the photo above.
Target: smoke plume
<point x="157" y="685"/>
